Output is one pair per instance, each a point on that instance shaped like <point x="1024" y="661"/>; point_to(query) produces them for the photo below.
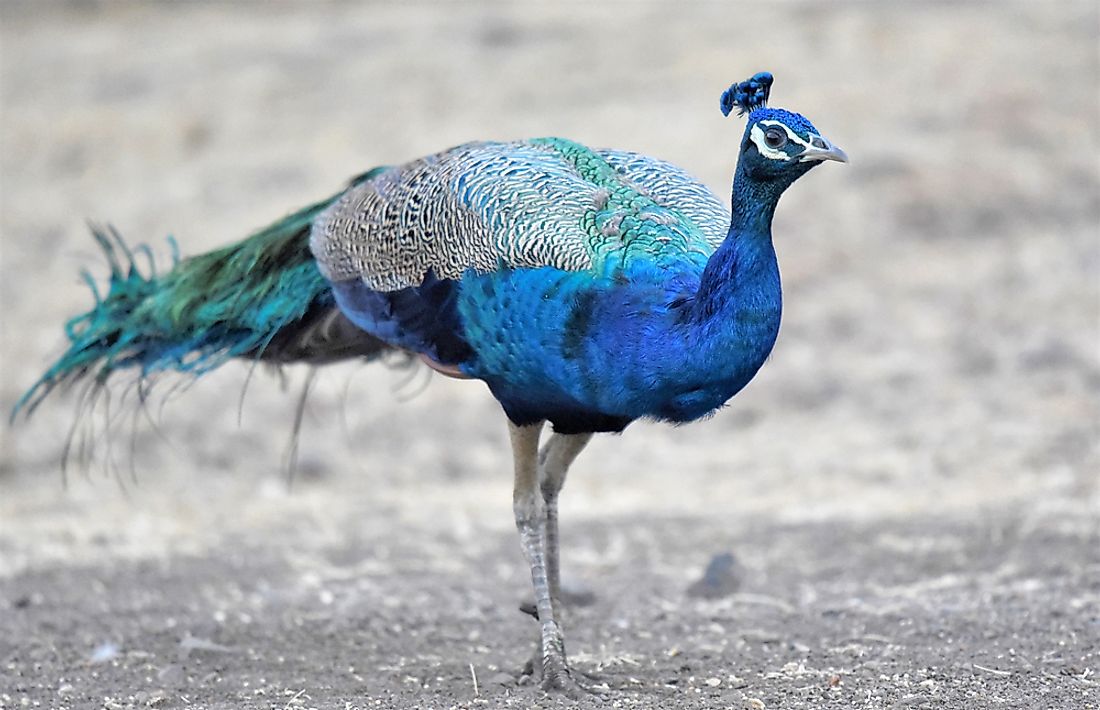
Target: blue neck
<point x="742" y="276"/>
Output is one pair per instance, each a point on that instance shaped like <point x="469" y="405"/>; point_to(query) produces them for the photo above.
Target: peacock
<point x="586" y="288"/>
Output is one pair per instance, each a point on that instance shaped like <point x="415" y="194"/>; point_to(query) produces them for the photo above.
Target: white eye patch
<point x="757" y="137"/>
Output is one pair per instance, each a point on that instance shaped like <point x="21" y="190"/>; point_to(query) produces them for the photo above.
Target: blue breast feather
<point x="586" y="354"/>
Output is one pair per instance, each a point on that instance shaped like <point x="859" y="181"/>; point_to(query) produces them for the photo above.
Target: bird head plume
<point x="779" y="146"/>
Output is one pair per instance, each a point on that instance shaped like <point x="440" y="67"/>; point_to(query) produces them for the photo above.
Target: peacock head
<point x="779" y="146"/>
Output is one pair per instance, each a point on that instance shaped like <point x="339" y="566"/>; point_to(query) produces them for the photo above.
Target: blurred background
<point x="911" y="481"/>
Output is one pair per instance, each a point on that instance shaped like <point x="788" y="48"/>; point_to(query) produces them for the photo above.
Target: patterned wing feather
<point x="671" y="186"/>
<point x="526" y="204"/>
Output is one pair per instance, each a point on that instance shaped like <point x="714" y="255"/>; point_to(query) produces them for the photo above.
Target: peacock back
<point x="523" y="204"/>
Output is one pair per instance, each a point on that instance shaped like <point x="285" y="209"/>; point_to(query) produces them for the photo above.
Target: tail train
<point x="262" y="298"/>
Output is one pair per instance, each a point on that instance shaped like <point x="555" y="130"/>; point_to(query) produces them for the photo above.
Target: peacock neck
<point x="741" y="279"/>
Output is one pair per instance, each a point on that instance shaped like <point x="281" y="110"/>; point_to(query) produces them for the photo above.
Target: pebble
<point x="722" y="577"/>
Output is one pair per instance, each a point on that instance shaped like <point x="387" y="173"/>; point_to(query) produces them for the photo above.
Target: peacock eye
<point x="775" y="138"/>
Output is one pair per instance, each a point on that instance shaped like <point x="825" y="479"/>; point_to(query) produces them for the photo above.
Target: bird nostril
<point x="818" y="142"/>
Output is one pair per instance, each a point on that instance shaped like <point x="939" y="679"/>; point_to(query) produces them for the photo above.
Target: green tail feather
<point x="205" y="310"/>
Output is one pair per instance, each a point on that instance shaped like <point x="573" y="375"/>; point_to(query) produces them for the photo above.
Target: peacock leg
<point x="530" y="512"/>
<point x="554" y="461"/>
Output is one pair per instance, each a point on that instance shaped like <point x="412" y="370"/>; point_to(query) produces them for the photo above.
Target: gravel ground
<point x="908" y="491"/>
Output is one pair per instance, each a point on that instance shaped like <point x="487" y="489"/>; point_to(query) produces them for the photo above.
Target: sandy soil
<point x="909" y="488"/>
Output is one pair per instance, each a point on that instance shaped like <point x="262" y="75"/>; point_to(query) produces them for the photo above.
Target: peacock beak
<point x="821" y="149"/>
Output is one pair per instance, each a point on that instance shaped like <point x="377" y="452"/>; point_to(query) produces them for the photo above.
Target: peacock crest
<point x="747" y="96"/>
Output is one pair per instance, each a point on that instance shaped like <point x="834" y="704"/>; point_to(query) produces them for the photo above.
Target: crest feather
<point x="747" y="96"/>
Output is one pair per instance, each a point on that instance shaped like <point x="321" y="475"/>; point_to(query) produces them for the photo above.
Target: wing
<point x="527" y="204"/>
<point x="672" y="187"/>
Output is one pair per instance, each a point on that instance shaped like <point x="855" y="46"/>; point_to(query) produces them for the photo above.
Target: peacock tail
<point x="262" y="297"/>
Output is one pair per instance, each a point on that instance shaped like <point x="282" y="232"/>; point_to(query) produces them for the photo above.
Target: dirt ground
<point x="909" y="489"/>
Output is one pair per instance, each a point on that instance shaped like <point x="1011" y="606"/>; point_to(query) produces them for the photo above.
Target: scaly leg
<point x="554" y="461"/>
<point x="530" y="512"/>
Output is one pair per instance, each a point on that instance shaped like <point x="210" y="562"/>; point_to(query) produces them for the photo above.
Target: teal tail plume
<point x="261" y="298"/>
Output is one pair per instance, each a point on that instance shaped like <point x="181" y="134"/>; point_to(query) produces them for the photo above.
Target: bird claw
<point x="561" y="680"/>
<point x="532" y="668"/>
<point x="561" y="677"/>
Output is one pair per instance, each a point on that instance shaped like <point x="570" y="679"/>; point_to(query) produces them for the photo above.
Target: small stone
<point x="722" y="577"/>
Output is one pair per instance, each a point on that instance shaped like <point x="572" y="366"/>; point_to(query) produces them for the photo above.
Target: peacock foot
<point x="533" y="670"/>
<point x="559" y="678"/>
<point x="533" y="667"/>
<point x="549" y="667"/>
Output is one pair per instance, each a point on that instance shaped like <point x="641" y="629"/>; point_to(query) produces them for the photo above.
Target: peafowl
<point x="587" y="288"/>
